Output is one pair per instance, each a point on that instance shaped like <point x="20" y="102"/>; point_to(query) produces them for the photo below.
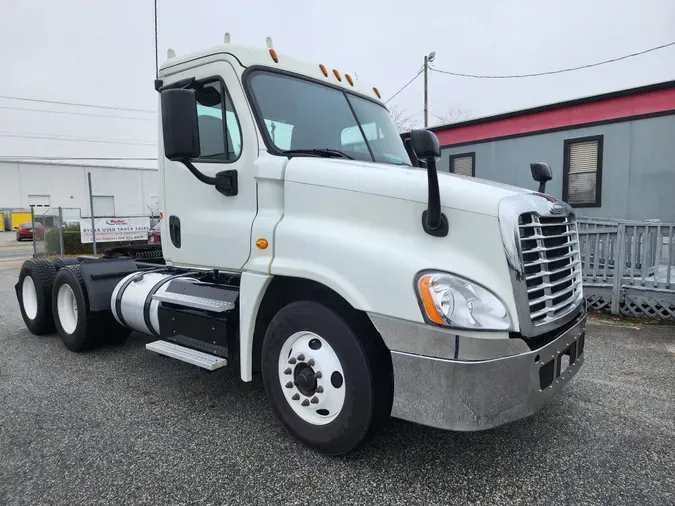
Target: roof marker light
<point x="337" y="75"/>
<point x="274" y="56"/>
<point x="377" y="92"/>
<point x="323" y="69"/>
<point x="349" y="79"/>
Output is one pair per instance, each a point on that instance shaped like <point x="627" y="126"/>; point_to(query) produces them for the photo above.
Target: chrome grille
<point x="551" y="264"/>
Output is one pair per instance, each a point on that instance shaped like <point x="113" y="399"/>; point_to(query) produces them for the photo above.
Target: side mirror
<point x="425" y="144"/>
<point x="179" y="124"/>
<point x="541" y="172"/>
<point x="427" y="149"/>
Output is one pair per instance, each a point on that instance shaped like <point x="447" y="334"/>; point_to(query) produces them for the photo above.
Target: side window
<point x="463" y="164"/>
<point x="219" y="132"/>
<point x="582" y="168"/>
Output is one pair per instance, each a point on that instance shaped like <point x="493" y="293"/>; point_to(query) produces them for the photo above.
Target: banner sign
<point x="115" y="229"/>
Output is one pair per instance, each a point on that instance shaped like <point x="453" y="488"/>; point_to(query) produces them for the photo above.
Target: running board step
<point x="194" y="294"/>
<point x="194" y="357"/>
<point x="217" y="306"/>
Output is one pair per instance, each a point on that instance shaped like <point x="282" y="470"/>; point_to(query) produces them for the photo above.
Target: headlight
<point x="452" y="301"/>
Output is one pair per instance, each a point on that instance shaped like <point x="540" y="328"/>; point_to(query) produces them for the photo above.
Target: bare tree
<point x="453" y="114"/>
<point x="403" y="121"/>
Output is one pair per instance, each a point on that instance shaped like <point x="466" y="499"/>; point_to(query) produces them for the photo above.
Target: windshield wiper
<point x="324" y="152"/>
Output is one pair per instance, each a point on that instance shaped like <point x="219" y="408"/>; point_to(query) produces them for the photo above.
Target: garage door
<point x="38" y="200"/>
<point x="104" y="206"/>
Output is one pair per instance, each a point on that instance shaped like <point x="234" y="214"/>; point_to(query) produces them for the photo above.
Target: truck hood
<point x="400" y="182"/>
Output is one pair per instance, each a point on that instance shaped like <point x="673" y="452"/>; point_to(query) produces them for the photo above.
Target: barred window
<point x="463" y="164"/>
<point x="583" y="171"/>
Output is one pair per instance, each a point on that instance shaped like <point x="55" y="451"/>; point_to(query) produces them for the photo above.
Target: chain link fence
<point x="63" y="232"/>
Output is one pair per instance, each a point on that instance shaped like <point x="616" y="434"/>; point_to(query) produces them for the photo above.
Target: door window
<point x="219" y="132"/>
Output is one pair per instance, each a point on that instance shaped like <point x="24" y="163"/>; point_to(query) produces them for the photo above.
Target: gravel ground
<point x="125" y="426"/>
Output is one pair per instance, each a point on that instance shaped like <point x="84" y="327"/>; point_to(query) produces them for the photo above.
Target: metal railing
<point x="629" y="266"/>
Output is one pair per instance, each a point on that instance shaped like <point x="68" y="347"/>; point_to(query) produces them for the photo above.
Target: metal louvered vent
<point x="551" y="264"/>
<point x="463" y="165"/>
<point x="583" y="172"/>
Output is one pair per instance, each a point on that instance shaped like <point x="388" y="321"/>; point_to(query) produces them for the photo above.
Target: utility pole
<point x="427" y="59"/>
<point x="426" y="93"/>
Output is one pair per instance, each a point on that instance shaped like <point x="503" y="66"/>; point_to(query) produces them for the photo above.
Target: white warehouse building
<point x="117" y="190"/>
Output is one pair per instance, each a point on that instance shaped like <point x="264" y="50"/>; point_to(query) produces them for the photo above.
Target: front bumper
<point x="481" y="394"/>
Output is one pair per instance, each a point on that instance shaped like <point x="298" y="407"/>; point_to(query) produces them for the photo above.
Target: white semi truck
<point x="302" y="242"/>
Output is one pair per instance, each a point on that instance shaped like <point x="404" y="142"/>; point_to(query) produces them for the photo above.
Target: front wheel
<point x="328" y="377"/>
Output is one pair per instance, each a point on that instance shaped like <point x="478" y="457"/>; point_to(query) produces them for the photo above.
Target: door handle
<point x="227" y="182"/>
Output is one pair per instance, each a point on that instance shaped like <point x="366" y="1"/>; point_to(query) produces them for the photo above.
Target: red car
<point x="155" y="236"/>
<point x="25" y="231"/>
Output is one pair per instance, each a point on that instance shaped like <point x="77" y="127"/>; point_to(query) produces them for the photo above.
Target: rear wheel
<point x="34" y="291"/>
<point x="79" y="328"/>
<point x="60" y="263"/>
<point x="328" y="376"/>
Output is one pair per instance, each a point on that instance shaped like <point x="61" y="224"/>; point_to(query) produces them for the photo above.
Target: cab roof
<point x="249" y="56"/>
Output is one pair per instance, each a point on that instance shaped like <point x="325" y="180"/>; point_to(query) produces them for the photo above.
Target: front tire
<point x="328" y="376"/>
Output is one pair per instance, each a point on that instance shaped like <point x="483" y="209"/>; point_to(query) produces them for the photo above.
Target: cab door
<point x="202" y="227"/>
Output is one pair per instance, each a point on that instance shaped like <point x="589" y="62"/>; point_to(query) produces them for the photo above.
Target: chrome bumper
<point x="476" y="395"/>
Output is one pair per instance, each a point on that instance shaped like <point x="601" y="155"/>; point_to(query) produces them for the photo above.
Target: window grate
<point x="463" y="164"/>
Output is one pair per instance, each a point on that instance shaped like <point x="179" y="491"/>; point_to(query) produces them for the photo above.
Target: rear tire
<point x="34" y="292"/>
<point x="60" y="263"/>
<point x="78" y="327"/>
<point x="356" y="385"/>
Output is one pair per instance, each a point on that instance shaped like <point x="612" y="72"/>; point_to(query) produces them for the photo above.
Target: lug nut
<point x="310" y="362"/>
<point x="315" y="400"/>
<point x="318" y="375"/>
<point x="289" y="384"/>
<point x="305" y="403"/>
<point x="288" y="370"/>
<point x="296" y="397"/>
<point x="301" y="357"/>
<point x="319" y="389"/>
<point x="291" y="360"/>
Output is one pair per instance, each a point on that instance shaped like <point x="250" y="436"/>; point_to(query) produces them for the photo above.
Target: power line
<point x="560" y="71"/>
<point x="77" y="104"/>
<point x="73" y="139"/>
<point x="76" y="113"/>
<point x="47" y="158"/>
<point x="404" y="87"/>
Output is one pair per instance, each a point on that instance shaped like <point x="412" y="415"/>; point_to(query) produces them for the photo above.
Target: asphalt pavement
<point x="122" y="425"/>
<point x="10" y="248"/>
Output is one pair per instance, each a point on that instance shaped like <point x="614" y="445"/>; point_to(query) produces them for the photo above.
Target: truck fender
<point x="251" y="292"/>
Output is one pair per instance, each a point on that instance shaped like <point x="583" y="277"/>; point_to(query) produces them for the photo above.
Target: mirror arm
<point x="434" y="221"/>
<point x="542" y="187"/>
<point x="202" y="177"/>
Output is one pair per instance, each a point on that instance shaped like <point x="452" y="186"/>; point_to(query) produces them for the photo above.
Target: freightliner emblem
<point x="558" y="209"/>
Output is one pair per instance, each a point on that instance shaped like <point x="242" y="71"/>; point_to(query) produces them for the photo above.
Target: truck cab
<point x="300" y="242"/>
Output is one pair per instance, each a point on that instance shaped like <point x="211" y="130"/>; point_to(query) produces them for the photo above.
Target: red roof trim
<point x="618" y="108"/>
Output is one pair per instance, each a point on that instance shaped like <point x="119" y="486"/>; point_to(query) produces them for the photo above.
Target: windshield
<point x="302" y="115"/>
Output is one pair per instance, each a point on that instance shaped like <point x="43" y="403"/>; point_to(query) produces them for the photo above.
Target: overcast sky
<point x="101" y="52"/>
